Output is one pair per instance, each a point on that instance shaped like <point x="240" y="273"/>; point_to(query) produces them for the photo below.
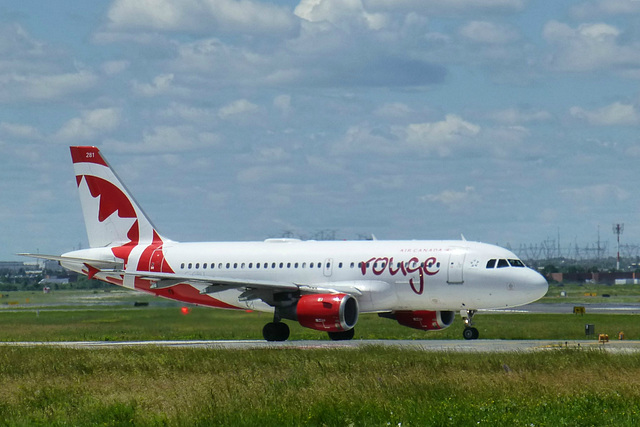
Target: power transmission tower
<point x="617" y="230"/>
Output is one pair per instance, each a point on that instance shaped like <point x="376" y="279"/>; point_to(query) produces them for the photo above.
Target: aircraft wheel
<point x="342" y="336"/>
<point x="470" y="334"/>
<point x="275" y="331"/>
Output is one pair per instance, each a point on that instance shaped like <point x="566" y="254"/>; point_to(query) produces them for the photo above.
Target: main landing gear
<point x="275" y="331"/>
<point x="343" y="335"/>
<point x="469" y="333"/>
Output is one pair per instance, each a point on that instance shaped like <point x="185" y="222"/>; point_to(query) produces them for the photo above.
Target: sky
<point x="508" y="121"/>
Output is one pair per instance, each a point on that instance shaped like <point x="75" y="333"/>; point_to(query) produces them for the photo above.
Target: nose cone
<point x="534" y="285"/>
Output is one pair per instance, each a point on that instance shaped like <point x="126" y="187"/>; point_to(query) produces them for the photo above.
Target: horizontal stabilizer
<point x="102" y="265"/>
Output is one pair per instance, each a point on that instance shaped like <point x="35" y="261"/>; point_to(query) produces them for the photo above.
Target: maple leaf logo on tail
<point x="111" y="215"/>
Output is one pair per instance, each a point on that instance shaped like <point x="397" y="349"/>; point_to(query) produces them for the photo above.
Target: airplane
<point x="322" y="285"/>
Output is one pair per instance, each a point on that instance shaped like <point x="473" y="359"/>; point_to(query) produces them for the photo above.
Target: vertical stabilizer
<point x="111" y="215"/>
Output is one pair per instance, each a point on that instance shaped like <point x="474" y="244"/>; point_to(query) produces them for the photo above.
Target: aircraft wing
<point x="214" y="283"/>
<point x="101" y="265"/>
<point x="253" y="289"/>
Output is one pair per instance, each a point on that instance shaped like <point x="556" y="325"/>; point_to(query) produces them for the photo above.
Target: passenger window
<point x="296" y="265"/>
<point x="257" y="265"/>
<point x="304" y="265"/>
<point x="340" y="265"/>
<point x="190" y="265"/>
<point x="281" y="265"/>
<point x="491" y="263"/>
<point x="228" y="265"/>
<point x="235" y="265"/>
<point x="204" y="265"/>
<point x="502" y="263"/>
<point x="182" y="265"/>
<point x="352" y="265"/>
<point x="266" y="265"/>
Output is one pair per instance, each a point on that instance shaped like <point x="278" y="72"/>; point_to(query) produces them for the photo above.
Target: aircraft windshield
<point x="503" y="263"/>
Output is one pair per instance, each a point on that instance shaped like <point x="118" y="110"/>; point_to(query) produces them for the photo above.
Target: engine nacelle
<point x="327" y="312"/>
<point x="425" y="320"/>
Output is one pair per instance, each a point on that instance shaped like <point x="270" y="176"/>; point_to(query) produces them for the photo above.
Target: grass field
<point x="585" y="293"/>
<point x="168" y="323"/>
<point x="365" y="387"/>
<point x="369" y="386"/>
<point x="99" y="315"/>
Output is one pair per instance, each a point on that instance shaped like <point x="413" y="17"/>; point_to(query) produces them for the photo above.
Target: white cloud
<point x="90" y="124"/>
<point x="283" y="103"/>
<point x="44" y="87"/>
<point x="443" y="136"/>
<point x="185" y="111"/>
<point x="595" y="9"/>
<point x="161" y="84"/>
<point x="489" y="33"/>
<point x="201" y="16"/>
<point x="339" y="11"/>
<point x="111" y="68"/>
<point x="458" y="7"/>
<point x="597" y="193"/>
<point x="362" y="137"/>
<point x="15" y="130"/>
<point x="452" y="198"/>
<point x="393" y="109"/>
<point x="236" y="108"/>
<point x="166" y="139"/>
<point x="257" y="174"/>
<point x="610" y="115"/>
<point x="517" y="116"/>
<point x="589" y="47"/>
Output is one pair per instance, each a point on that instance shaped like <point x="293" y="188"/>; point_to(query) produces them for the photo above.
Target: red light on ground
<point x="248" y="311"/>
<point x="185" y="310"/>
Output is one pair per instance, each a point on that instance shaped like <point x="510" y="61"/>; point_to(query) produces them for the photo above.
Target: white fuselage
<point x="388" y="275"/>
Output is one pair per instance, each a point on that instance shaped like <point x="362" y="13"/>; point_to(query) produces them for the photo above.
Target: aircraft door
<point x="327" y="266"/>
<point x="156" y="260"/>
<point x="455" y="267"/>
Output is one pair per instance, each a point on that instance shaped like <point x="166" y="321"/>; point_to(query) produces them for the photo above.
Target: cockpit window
<point x="502" y="263"/>
<point x="516" y="263"/>
<point x="491" y="263"/>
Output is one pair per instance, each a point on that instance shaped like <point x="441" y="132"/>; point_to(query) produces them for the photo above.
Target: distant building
<point x="13" y="266"/>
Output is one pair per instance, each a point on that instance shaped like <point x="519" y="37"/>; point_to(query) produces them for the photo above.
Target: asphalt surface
<point x="475" y="346"/>
<point x="563" y="308"/>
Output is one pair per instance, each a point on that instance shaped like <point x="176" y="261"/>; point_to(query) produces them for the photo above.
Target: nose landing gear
<point x="469" y="333"/>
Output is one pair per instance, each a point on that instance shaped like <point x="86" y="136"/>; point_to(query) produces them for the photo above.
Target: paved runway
<point x="562" y="308"/>
<point x="476" y="346"/>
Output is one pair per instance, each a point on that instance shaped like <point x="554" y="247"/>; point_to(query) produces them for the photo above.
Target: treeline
<point x="20" y="281"/>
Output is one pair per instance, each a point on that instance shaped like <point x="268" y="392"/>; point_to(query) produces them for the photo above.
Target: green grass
<point x="361" y="387"/>
<point x="159" y="323"/>
<point x="371" y="386"/>
<point x="575" y="293"/>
